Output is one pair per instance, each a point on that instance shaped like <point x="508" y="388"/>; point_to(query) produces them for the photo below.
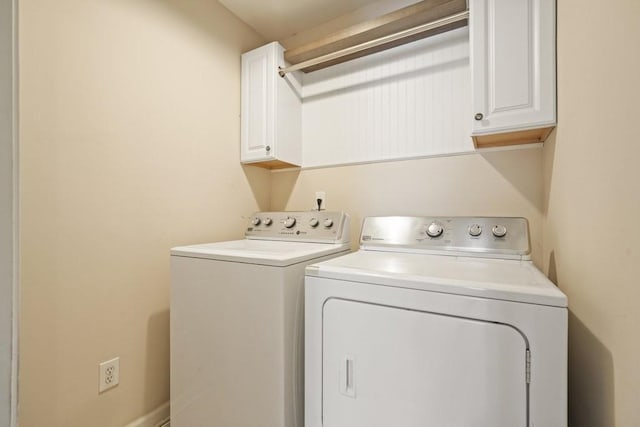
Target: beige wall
<point x="592" y="198"/>
<point x="497" y="183"/>
<point x="130" y="145"/>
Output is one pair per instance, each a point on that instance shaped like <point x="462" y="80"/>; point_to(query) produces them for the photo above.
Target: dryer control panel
<point x="303" y="226"/>
<point x="493" y="237"/>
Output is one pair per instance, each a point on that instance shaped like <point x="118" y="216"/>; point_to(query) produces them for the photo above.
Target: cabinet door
<point x="258" y="104"/>
<point x="513" y="64"/>
<point x="384" y="366"/>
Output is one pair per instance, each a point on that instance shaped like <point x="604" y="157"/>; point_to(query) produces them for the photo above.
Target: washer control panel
<point x="305" y="226"/>
<point x="496" y="237"/>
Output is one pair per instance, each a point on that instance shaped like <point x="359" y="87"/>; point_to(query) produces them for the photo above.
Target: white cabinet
<point x="513" y="53"/>
<point x="411" y="101"/>
<point x="271" y="113"/>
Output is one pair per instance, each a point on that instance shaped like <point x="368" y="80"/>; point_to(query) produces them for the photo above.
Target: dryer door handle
<point x="347" y="384"/>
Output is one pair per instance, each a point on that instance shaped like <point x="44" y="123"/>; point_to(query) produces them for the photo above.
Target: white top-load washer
<point x="237" y="320"/>
<point x="435" y="322"/>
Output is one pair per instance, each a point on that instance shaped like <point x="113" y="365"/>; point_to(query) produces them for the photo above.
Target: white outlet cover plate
<point x="109" y="374"/>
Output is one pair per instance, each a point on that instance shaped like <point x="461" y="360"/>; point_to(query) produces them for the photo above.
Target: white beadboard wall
<point x="410" y="101"/>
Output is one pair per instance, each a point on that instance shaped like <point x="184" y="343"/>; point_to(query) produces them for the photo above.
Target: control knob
<point x="313" y="222"/>
<point x="268" y="221"/>
<point x="328" y="223"/>
<point x="499" y="230"/>
<point x="434" y="229"/>
<point x="289" y="222"/>
<point x="475" y="230"/>
<point x="255" y="221"/>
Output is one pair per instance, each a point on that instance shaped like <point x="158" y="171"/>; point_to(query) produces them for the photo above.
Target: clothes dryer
<point x="435" y="322"/>
<point x="237" y="320"/>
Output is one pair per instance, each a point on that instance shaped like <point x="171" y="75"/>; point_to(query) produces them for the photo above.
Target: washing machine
<point x="237" y="320"/>
<point x="435" y="321"/>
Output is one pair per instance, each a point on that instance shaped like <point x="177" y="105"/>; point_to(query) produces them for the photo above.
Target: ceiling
<point x="279" y="19"/>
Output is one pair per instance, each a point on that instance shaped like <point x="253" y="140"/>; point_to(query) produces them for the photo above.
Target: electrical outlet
<point x="109" y="374"/>
<point x="322" y="197"/>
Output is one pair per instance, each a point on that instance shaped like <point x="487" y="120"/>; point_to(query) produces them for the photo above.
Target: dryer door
<point x="385" y="366"/>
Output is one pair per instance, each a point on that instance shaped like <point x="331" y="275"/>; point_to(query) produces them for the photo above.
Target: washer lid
<point x="509" y="280"/>
<point x="263" y="252"/>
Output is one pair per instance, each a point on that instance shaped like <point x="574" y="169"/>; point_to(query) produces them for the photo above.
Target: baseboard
<point x="156" y="418"/>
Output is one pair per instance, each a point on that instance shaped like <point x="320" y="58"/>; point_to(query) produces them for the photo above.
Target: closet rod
<point x="376" y="42"/>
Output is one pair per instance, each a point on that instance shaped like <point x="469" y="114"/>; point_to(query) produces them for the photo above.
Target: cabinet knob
<point x="479" y="116"/>
<point x="268" y="148"/>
